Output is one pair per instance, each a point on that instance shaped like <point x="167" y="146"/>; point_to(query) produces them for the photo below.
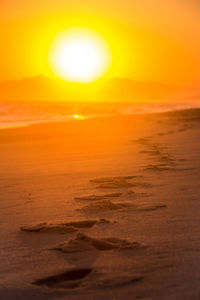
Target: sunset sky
<point x="149" y="40"/>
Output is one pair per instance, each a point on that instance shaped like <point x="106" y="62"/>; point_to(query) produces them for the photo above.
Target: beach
<point x="101" y="208"/>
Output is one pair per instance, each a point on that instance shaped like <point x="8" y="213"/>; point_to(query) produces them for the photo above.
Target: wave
<point x="15" y="114"/>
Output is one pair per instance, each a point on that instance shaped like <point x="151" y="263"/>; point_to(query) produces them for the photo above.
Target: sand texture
<point x="104" y="208"/>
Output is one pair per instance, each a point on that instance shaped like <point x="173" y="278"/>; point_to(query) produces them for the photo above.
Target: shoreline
<point x="82" y="118"/>
<point x="28" y="113"/>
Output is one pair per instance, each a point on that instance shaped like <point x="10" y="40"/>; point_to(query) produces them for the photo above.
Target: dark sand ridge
<point x="64" y="227"/>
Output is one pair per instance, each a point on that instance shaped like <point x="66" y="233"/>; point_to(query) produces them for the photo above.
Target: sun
<point x="79" y="55"/>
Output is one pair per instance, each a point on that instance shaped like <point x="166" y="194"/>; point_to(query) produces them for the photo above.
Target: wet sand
<point x="104" y="208"/>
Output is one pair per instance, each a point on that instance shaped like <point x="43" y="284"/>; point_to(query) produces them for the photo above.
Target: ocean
<point x="16" y="114"/>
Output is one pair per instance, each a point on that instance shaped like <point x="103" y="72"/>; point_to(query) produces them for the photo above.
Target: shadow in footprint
<point x="68" y="280"/>
<point x="83" y="242"/>
<point x="150" y="207"/>
<point x="142" y="141"/>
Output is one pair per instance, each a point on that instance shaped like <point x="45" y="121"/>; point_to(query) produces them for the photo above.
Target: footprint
<point x="83" y="242"/>
<point x="133" y="195"/>
<point x="118" y="184"/>
<point x="62" y="228"/>
<point x="115" y="280"/>
<point x="161" y="134"/>
<point x="103" y="205"/>
<point x="114" y="182"/>
<point x="68" y="280"/>
<point x="108" y="179"/>
<point x="128" y="195"/>
<point x="185" y="128"/>
<point x="151" y="152"/>
<point x="167" y="158"/>
<point x="151" y="207"/>
<point x="157" y="168"/>
<point x="143" y="184"/>
<point x="87" y="277"/>
<point x="182" y="129"/>
<point x="143" y="141"/>
<point x="100" y="206"/>
<point x="98" y="197"/>
<point x="164" y="167"/>
<point x="161" y="156"/>
<point x="48" y="228"/>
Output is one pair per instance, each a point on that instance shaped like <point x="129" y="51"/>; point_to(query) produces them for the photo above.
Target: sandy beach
<point x="104" y="208"/>
<point x="99" y="150"/>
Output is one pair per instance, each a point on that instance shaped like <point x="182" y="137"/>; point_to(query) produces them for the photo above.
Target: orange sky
<point x="151" y="40"/>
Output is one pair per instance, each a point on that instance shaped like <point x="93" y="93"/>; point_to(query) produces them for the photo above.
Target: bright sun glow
<point x="78" y="117"/>
<point x="79" y="55"/>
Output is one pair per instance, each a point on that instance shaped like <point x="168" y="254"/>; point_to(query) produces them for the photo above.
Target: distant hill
<point x="36" y="88"/>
